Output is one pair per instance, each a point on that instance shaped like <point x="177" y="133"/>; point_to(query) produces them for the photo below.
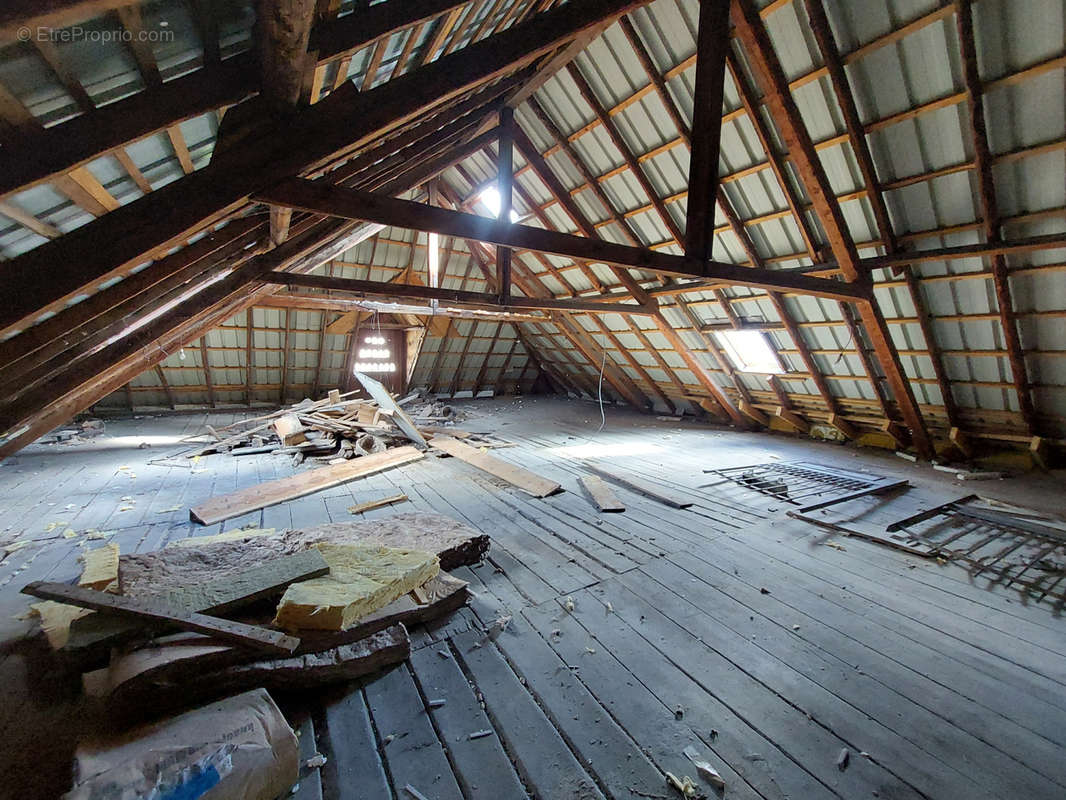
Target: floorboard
<point x="596" y="647"/>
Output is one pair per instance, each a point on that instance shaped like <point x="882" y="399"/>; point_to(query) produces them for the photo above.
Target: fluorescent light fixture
<point x="490" y="198"/>
<point x="750" y="351"/>
<point x="369" y="366"/>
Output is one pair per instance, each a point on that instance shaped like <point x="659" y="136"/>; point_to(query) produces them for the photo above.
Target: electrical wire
<point x="599" y="392"/>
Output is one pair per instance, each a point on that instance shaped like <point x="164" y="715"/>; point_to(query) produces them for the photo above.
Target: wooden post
<point x="505" y="178"/>
<point x="711" y="47"/>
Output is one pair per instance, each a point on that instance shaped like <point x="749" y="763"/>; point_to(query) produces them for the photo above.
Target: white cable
<point x="599" y="391"/>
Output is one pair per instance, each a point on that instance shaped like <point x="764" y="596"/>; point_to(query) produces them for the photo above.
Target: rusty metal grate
<point x="796" y="481"/>
<point x="1013" y="547"/>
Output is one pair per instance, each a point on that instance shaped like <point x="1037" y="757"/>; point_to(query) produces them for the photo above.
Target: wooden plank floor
<point x="726" y="626"/>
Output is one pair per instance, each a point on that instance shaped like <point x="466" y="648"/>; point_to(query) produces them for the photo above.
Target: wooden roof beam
<point x="990" y="213"/>
<point x="759" y="49"/>
<point x="484" y="300"/>
<point x="321" y="198"/>
<point x="58" y="149"/>
<point x="712" y="44"/>
<point x="340" y="124"/>
<point x="861" y="149"/>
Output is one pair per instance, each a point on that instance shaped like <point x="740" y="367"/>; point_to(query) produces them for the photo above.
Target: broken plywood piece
<point x="278" y="491"/>
<point x="387" y="404"/>
<point x="527" y="481"/>
<point x="640" y="486"/>
<point x="92" y="638"/>
<point x="175" y="658"/>
<point x="453" y="542"/>
<point x="293" y="673"/>
<point x="600" y="493"/>
<point x="362" y="579"/>
<point x="155" y="612"/>
<point x="99" y="567"/>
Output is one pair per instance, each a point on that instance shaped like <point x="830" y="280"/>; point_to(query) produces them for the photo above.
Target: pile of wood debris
<point x="201" y="618"/>
<point x="336" y="428"/>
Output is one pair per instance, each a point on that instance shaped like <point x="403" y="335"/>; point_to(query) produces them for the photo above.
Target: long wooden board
<point x="640" y="486"/>
<point x="273" y="492"/>
<point x="600" y="493"/>
<point x="517" y="476"/>
<point x="92" y="637"/>
<point x="153" y="611"/>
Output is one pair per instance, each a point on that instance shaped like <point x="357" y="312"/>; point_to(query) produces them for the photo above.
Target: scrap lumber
<point x="384" y="400"/>
<point x="362" y="578"/>
<point x="640" y="486"/>
<point x="600" y="494"/>
<point x="370" y="505"/>
<point x="525" y="480"/>
<point x="290" y="430"/>
<point x="278" y="491"/>
<point x="99" y="567"/>
<point x="454" y="543"/>
<point x="299" y="672"/>
<point x="173" y="659"/>
<point x="152" y="611"/>
<point x="92" y="637"/>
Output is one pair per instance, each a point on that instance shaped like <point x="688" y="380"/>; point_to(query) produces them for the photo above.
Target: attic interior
<point x="553" y="399"/>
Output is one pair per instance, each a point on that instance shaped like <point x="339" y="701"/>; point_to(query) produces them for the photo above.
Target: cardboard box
<point x="240" y="748"/>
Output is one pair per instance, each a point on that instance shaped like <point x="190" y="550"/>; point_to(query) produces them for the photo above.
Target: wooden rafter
<point x="752" y="34"/>
<point x="874" y="194"/>
<point x="330" y="130"/>
<point x="990" y="213"/>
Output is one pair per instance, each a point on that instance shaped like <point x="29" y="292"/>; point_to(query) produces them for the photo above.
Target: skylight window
<point x="750" y="351"/>
<point x="490" y="199"/>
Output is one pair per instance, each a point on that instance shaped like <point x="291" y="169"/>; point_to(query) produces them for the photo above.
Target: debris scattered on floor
<point x="843" y="758"/>
<point x="480" y="734"/>
<point x="704" y="768"/>
<point x="414" y="793"/>
<point x="686" y="786"/>
<point x="316" y="761"/>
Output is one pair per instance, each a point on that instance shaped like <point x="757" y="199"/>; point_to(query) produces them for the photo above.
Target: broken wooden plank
<point x="600" y="493"/>
<point x="99" y="567"/>
<point x="370" y="505"/>
<point x="525" y="480"/>
<point x="92" y="637"/>
<point x="385" y="401"/>
<point x="152" y="611"/>
<point x="171" y="660"/>
<point x="278" y="491"/>
<point x="872" y="533"/>
<point x="640" y="486"/>
<point x="130" y="695"/>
